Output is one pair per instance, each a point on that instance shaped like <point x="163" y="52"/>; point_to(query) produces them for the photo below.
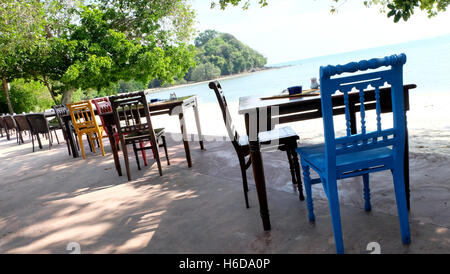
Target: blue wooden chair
<point x="359" y="154"/>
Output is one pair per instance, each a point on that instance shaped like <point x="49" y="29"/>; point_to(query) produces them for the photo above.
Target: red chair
<point x="103" y="105"/>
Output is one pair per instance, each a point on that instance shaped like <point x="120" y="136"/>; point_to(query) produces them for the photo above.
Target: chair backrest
<point x="382" y="136"/>
<point x="9" y="121"/>
<point x="103" y="105"/>
<point x="38" y="123"/>
<point x="60" y="111"/>
<point x="131" y="108"/>
<point x="82" y="115"/>
<point x="2" y="123"/>
<point x="232" y="132"/>
<point x="21" y="122"/>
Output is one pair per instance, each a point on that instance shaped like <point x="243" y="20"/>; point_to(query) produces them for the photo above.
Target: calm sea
<point x="428" y="66"/>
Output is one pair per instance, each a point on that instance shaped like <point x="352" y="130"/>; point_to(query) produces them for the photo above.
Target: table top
<point x="171" y="103"/>
<point x="250" y="103"/>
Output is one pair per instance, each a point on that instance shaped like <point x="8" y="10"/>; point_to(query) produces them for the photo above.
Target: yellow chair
<point x="83" y="119"/>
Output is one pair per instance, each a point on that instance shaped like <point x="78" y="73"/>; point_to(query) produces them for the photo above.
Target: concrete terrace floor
<point x="48" y="200"/>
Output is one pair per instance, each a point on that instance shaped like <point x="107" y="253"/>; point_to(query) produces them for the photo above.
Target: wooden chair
<point x="22" y="126"/>
<point x="84" y="122"/>
<point x="132" y="108"/>
<point x="10" y="126"/>
<point x="2" y="126"/>
<point x="285" y="137"/>
<point x="60" y="111"/>
<point x="39" y="125"/>
<point x="359" y="154"/>
<point x="103" y="105"/>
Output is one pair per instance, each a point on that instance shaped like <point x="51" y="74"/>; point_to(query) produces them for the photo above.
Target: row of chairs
<point x="132" y="125"/>
<point x="32" y="124"/>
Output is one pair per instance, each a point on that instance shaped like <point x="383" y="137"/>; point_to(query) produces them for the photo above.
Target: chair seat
<point x="315" y="156"/>
<point x="282" y="134"/>
<point x="141" y="135"/>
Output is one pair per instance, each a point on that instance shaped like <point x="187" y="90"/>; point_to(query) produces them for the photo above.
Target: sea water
<point x="427" y="66"/>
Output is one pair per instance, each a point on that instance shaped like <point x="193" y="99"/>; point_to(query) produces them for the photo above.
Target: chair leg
<point x="333" y="200"/>
<point x="144" y="156"/>
<point x="309" y="199"/>
<point x="32" y="141"/>
<point x="127" y="161"/>
<point x="80" y="139"/>
<point x="244" y="179"/>
<point x="163" y="138"/>
<point x="67" y="143"/>
<point x="400" y="197"/>
<point x="76" y="141"/>
<point x="91" y="140"/>
<point x="97" y="137"/>
<point x="291" y="166"/>
<point x="136" y="154"/>
<point x="367" y="204"/>
<point x="56" y="135"/>
<point x="102" y="149"/>
<point x="297" y="173"/>
<point x="50" y="140"/>
<point x="39" y="140"/>
<point x="155" y="151"/>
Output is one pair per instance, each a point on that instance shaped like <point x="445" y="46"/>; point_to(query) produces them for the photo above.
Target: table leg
<point x="115" y="152"/>
<point x="258" y="169"/>
<point x="197" y="121"/>
<point x="185" y="138"/>
<point x="260" y="182"/>
<point x="71" y="138"/>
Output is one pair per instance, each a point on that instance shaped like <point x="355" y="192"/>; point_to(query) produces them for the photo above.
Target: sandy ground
<point x="48" y="199"/>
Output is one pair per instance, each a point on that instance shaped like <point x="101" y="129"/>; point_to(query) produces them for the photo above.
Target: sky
<point x="288" y="30"/>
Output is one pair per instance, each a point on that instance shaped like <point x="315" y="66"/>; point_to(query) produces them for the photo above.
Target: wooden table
<point x="306" y="108"/>
<point x="174" y="107"/>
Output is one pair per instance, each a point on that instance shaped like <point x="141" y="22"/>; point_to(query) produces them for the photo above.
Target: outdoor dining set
<point x="126" y="120"/>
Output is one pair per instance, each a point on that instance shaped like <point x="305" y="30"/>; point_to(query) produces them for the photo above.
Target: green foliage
<point x="88" y="46"/>
<point x="204" y="37"/>
<point x="27" y="96"/>
<point x="398" y="9"/>
<point x="207" y="71"/>
<point x="21" y="29"/>
<point x="225" y="52"/>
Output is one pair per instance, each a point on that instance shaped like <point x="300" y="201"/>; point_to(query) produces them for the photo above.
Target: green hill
<point x="221" y="54"/>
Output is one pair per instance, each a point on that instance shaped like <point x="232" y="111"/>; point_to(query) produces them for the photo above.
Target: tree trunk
<point x="50" y="89"/>
<point x="6" y="90"/>
<point x="67" y="96"/>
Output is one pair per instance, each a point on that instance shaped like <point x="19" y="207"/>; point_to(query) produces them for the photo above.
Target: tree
<point x="129" y="39"/>
<point x="398" y="9"/>
<point x="204" y="37"/>
<point x="205" y="72"/>
<point x="21" y="27"/>
<point x="91" y="44"/>
<point x="225" y="52"/>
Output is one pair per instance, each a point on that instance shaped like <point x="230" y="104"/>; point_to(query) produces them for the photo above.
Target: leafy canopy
<point x="92" y="44"/>
<point x="398" y="9"/>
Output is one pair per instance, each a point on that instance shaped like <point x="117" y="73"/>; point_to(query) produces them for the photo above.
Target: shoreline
<point x="224" y="77"/>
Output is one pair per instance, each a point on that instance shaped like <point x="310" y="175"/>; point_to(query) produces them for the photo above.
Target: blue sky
<point x="289" y="30"/>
